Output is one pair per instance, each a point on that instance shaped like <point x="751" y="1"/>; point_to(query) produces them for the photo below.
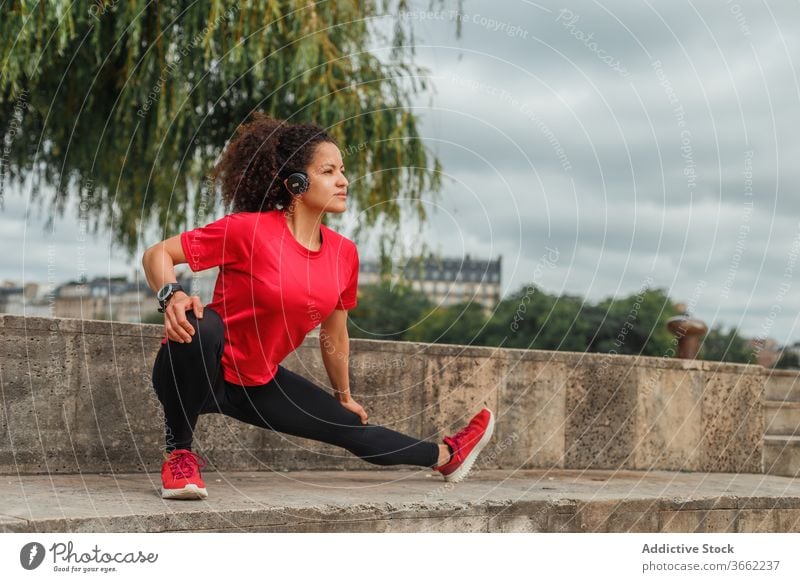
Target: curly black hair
<point x="261" y="155"/>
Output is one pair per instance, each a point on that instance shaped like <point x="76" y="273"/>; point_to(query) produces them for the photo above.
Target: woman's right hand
<point x="176" y="326"/>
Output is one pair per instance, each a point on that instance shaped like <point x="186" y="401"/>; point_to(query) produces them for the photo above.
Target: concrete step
<point x="782" y="385"/>
<point x="782" y="455"/>
<point x="782" y="418"/>
<point x="408" y="501"/>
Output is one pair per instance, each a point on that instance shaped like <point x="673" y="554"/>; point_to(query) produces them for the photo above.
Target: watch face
<point x="164" y="291"/>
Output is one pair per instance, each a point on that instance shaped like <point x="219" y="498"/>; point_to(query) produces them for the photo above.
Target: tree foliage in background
<point x="387" y="312"/>
<point x="122" y="107"/>
<point x="788" y="361"/>
<point x="533" y="319"/>
<point x="635" y="324"/>
<point x="455" y="324"/>
<point x="726" y="346"/>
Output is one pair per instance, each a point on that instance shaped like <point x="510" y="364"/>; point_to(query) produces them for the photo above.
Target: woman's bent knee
<point x="209" y="327"/>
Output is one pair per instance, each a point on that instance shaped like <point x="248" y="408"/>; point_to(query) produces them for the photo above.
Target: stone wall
<point x="76" y="396"/>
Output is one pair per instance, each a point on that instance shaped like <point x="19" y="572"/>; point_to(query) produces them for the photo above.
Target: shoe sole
<point x="188" y="492"/>
<point x="466" y="466"/>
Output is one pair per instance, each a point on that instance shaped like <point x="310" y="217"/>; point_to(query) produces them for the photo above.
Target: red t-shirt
<point x="271" y="290"/>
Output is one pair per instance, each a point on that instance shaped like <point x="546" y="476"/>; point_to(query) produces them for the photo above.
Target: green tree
<point x="788" y="361"/>
<point x="725" y="346"/>
<point x="530" y="318"/>
<point x="387" y="312"/>
<point x="635" y="324"/>
<point x="566" y="327"/>
<point x="127" y="104"/>
<point x="533" y="319"/>
<point x="457" y="324"/>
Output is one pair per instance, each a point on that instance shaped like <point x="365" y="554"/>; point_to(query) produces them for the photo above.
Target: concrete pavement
<point x="407" y="501"/>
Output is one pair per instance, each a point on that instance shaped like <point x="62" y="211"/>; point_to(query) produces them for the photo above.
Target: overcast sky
<point x="645" y="142"/>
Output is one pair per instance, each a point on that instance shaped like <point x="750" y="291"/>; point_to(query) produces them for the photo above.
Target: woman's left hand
<point x="354" y="406"/>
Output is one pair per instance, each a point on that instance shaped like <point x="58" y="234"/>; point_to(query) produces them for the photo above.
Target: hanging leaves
<point x="124" y="106"/>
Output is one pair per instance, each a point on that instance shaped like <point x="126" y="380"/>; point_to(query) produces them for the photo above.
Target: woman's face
<point x="327" y="191"/>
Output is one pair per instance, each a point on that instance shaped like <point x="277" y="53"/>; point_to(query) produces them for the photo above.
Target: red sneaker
<point x="467" y="445"/>
<point x="180" y="476"/>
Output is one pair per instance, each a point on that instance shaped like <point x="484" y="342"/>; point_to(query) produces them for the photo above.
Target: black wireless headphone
<point x="297" y="183"/>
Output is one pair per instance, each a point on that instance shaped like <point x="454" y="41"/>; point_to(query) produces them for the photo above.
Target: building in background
<point x="113" y="298"/>
<point x="14" y="299"/>
<point x="446" y="281"/>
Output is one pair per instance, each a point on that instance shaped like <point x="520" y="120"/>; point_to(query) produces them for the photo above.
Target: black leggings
<point x="188" y="380"/>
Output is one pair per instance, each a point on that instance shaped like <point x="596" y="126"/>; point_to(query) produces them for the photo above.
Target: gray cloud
<point x="627" y="203"/>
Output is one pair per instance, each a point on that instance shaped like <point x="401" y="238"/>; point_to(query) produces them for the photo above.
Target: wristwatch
<point x="165" y="293"/>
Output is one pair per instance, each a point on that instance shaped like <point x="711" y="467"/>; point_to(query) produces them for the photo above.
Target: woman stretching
<point x="282" y="273"/>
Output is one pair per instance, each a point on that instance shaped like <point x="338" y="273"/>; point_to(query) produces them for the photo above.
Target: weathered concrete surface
<point x="782" y="418"/>
<point x="782" y="423"/>
<point x="782" y="455"/>
<point x="76" y="397"/>
<point x="408" y="501"/>
<point x="783" y="385"/>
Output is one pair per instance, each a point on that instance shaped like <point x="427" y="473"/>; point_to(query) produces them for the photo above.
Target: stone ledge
<point x="104" y="327"/>
<point x="75" y="400"/>
<point x="408" y="501"/>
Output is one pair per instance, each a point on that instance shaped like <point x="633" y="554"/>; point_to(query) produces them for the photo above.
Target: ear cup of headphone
<point x="297" y="183"/>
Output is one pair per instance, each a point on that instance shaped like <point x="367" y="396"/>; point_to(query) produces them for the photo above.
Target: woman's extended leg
<point x="294" y="405"/>
<point x="184" y="376"/>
